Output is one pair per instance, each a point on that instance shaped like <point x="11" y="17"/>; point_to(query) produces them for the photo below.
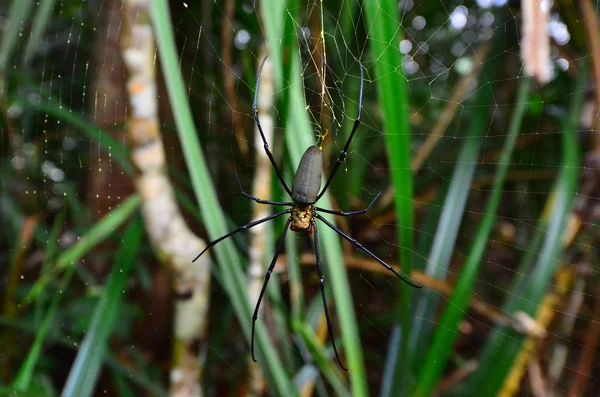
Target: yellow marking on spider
<point x="322" y="137"/>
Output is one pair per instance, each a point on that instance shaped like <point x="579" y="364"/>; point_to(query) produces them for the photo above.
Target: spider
<point x="303" y="210"/>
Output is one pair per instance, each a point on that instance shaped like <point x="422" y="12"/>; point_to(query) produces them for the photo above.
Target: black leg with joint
<point x="262" y="134"/>
<point x="267" y="277"/>
<point x="344" y="152"/>
<point x="358" y="245"/>
<point x="341" y="213"/>
<point x="322" y="285"/>
<point x="239" y="229"/>
<point x="260" y="201"/>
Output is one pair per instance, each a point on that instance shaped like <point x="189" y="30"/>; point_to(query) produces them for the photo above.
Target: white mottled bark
<point x="174" y="243"/>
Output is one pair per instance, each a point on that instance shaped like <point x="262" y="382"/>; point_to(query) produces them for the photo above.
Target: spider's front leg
<point x="344" y="152"/>
<point x="322" y="285"/>
<point x="260" y="201"/>
<point x="262" y="134"/>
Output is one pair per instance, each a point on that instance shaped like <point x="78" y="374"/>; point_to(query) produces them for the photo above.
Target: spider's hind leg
<point x="358" y="245"/>
<point x="322" y="285"/>
<point x="267" y="277"/>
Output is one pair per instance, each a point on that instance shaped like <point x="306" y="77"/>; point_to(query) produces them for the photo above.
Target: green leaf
<point x="136" y="375"/>
<point x="322" y="361"/>
<point x="25" y="374"/>
<point x="62" y="112"/>
<point x="279" y="25"/>
<point x="447" y="331"/>
<point x="383" y="28"/>
<point x="453" y="209"/>
<point x="19" y="13"/>
<point x="85" y="370"/>
<point x="529" y="289"/>
<point x="40" y="21"/>
<point x="97" y="233"/>
<point x="232" y="275"/>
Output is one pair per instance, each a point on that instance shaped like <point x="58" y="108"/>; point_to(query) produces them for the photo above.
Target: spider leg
<point x="358" y="245"/>
<point x="267" y="277"/>
<point x="322" y="284"/>
<point x="341" y="213"/>
<point x="239" y="229"/>
<point x="260" y="201"/>
<point x="344" y="152"/>
<point x="262" y="134"/>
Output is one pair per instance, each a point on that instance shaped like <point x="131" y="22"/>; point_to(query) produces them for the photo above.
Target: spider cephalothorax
<point x="302" y="218"/>
<point x="303" y="210"/>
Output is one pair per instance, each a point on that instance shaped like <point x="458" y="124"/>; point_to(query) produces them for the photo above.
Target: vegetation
<point x="124" y="125"/>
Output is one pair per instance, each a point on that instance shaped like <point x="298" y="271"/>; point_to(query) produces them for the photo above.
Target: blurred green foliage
<point x="510" y="159"/>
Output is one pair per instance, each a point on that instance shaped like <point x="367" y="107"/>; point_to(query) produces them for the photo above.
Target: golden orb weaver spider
<point x="303" y="211"/>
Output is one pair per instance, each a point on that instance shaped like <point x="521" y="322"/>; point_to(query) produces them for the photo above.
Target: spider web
<point x="440" y="49"/>
<point x="446" y="46"/>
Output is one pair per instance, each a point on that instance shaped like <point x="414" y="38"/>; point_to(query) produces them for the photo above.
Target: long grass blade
<point x="280" y="24"/>
<point x="95" y="235"/>
<point x="90" y="357"/>
<point x="454" y="205"/>
<point x="26" y="371"/>
<point x="233" y="277"/>
<point x="446" y="332"/>
<point x="133" y="374"/>
<point x="322" y="361"/>
<point x="529" y="289"/>
<point x="383" y="27"/>
<point x="19" y="13"/>
<point x="40" y="21"/>
<point x="62" y="112"/>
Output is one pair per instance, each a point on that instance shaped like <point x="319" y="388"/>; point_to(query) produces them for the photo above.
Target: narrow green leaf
<point x="322" y="361"/>
<point x="133" y="374"/>
<point x="98" y="233"/>
<point x="17" y="18"/>
<point x="383" y="28"/>
<point x="143" y="380"/>
<point x="391" y="361"/>
<point x="85" y="370"/>
<point x="528" y="291"/>
<point x="121" y="385"/>
<point x="427" y="230"/>
<point x="79" y="211"/>
<point x="454" y="204"/>
<point x="447" y="331"/>
<point x="62" y="112"/>
<point x="25" y="374"/>
<point x="279" y="24"/>
<point x="445" y="235"/>
<point x="40" y="21"/>
<point x="49" y="256"/>
<point x="232" y="276"/>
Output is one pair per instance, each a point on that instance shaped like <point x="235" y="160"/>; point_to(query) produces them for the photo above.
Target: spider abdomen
<point x="307" y="180"/>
